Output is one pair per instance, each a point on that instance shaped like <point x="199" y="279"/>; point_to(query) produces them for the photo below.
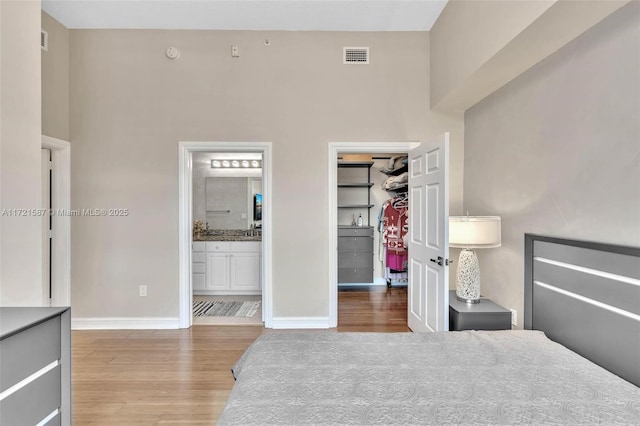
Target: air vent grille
<point x="356" y="55"/>
<point x="44" y="40"/>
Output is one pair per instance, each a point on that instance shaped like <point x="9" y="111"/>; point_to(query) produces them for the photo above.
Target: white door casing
<point x="185" y="149"/>
<point x="428" y="296"/>
<point x="60" y="222"/>
<point x="46" y="225"/>
<point x="336" y="148"/>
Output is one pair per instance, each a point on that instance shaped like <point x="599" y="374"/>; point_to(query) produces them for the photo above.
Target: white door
<point x="245" y="271"/>
<point x="428" y="301"/>
<point x="46" y="226"/>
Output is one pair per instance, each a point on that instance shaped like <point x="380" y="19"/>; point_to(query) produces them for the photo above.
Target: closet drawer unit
<point x="351" y="244"/>
<point x="355" y="232"/>
<point x="198" y="246"/>
<point x="218" y="247"/>
<point x="355" y="260"/>
<point x="355" y="275"/>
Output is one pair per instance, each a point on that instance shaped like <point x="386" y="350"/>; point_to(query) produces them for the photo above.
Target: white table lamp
<point x="468" y="233"/>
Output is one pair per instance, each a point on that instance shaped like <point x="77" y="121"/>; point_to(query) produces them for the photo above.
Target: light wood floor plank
<point x="182" y="377"/>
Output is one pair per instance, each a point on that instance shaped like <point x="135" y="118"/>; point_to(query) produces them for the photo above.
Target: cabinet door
<point x="245" y="271"/>
<point x="217" y="271"/>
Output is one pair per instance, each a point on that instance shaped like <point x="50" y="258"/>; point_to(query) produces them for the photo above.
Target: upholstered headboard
<point x="586" y="296"/>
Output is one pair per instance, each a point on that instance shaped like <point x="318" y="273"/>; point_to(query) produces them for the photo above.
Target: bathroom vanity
<point x="227" y="266"/>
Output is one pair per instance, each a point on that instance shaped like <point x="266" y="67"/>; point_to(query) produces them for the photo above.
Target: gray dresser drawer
<point x="355" y="275"/>
<point x="27" y="352"/>
<point x="34" y="402"/>
<point x="355" y="232"/>
<point x="352" y="244"/>
<point x="355" y="259"/>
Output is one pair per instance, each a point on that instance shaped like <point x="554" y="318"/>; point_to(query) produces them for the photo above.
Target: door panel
<point x="429" y="204"/>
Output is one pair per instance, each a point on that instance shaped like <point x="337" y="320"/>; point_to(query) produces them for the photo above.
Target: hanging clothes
<point x="395" y="228"/>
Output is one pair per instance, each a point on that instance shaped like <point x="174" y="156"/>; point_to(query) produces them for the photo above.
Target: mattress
<point x="469" y="377"/>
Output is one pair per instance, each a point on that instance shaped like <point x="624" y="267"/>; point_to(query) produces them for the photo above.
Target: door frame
<point x="185" y="215"/>
<point x="336" y="148"/>
<point x="61" y="223"/>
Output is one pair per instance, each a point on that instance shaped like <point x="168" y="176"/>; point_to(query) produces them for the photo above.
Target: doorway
<point x="337" y="215"/>
<point x="226" y="253"/>
<point x="186" y="216"/>
<point x="57" y="288"/>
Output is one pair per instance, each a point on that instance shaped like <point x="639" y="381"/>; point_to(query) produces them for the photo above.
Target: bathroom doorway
<point x="227" y="234"/>
<point x="225" y="238"/>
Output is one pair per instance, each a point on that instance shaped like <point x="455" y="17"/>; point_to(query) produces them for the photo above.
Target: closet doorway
<point x="364" y="284"/>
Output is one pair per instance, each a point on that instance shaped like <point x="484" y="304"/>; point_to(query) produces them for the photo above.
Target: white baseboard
<point x="125" y="323"/>
<point x="300" y="322"/>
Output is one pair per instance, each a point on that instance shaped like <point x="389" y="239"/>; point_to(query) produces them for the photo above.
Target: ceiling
<point x="287" y="15"/>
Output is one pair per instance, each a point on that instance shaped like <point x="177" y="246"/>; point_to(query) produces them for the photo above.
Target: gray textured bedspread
<point x="470" y="377"/>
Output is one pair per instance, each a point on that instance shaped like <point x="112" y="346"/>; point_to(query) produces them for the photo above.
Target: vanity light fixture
<point x="226" y="164"/>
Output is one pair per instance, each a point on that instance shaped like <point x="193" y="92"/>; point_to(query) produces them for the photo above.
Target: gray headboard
<point x="586" y="296"/>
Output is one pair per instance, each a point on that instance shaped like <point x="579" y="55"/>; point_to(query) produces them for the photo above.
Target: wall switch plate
<point x="514" y="317"/>
<point x="143" y="290"/>
<point x="235" y="52"/>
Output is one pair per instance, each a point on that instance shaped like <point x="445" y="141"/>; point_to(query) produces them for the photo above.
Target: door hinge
<point x="50" y="233"/>
<point x="50" y="165"/>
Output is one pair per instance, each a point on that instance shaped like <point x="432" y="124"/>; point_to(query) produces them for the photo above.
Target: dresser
<point x="35" y="372"/>
<point x="355" y="254"/>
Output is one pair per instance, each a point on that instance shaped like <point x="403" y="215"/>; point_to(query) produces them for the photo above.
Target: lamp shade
<point x="474" y="231"/>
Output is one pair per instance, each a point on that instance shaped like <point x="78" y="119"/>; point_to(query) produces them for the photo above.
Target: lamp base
<point x="470" y="301"/>
<point x="468" y="277"/>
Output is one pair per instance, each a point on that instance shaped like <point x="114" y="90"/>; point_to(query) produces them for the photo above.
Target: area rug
<point x="216" y="308"/>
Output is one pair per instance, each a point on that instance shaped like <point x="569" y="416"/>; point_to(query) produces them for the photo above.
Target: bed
<point x="578" y="362"/>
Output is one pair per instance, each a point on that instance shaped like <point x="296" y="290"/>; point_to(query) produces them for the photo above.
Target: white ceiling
<point x="288" y="15"/>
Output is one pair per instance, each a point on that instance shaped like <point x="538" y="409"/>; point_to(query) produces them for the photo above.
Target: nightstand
<point x="485" y="315"/>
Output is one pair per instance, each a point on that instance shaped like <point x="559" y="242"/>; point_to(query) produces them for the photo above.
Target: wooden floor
<point x="182" y="377"/>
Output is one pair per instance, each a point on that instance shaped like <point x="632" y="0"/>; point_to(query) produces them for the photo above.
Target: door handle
<point x="440" y="261"/>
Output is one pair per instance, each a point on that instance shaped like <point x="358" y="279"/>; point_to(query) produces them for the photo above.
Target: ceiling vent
<point x="356" y="55"/>
<point x="44" y="40"/>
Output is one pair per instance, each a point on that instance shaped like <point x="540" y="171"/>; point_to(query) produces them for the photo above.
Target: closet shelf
<point x="355" y="185"/>
<point x="354" y="164"/>
<point x="355" y="206"/>
<point x="398" y="171"/>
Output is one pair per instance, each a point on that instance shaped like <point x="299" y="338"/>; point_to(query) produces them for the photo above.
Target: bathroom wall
<point x="202" y="172"/>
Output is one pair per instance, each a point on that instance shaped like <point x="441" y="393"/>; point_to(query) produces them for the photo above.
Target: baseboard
<point x="125" y="323"/>
<point x="300" y="322"/>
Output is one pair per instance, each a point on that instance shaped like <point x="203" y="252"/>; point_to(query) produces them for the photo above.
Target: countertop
<point x="229" y="235"/>
<point x="227" y="238"/>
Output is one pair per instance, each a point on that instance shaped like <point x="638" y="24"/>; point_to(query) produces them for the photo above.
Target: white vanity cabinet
<point x="198" y="262"/>
<point x="230" y="267"/>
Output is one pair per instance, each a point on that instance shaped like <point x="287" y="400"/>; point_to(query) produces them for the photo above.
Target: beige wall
<point x="55" y="80"/>
<point x="557" y="151"/>
<point x="130" y="106"/>
<point x="479" y="46"/>
<point x="20" y="240"/>
<point x="469" y="32"/>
